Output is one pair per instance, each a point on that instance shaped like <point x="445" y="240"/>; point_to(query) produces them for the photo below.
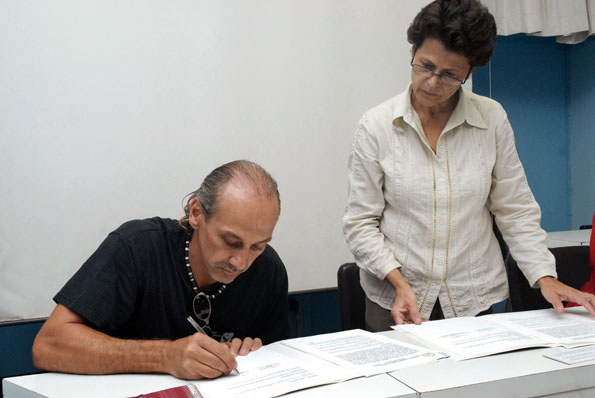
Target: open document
<point x="364" y="352"/>
<point x="295" y="364"/>
<point x="273" y="370"/>
<point x="471" y="337"/>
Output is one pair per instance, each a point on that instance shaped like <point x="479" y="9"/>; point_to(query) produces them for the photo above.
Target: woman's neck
<point x="438" y="111"/>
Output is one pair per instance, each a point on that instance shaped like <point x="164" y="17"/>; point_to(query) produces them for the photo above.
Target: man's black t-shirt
<point x="136" y="285"/>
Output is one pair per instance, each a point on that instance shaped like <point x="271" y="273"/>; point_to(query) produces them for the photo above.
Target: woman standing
<point x="426" y="171"/>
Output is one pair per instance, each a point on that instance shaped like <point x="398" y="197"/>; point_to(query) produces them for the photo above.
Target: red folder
<point x="187" y="391"/>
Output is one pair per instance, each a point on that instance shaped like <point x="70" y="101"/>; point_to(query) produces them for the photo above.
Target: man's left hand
<point x="555" y="292"/>
<point x="244" y="347"/>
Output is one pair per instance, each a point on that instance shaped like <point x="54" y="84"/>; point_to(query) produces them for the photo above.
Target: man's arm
<point x="66" y="343"/>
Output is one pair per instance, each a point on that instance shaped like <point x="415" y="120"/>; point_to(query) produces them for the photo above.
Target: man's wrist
<point x="165" y="361"/>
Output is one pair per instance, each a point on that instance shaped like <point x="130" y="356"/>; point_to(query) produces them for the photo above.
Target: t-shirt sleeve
<point x="103" y="290"/>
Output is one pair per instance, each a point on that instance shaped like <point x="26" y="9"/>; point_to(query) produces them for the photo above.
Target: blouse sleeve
<point x="365" y="203"/>
<point x="518" y="215"/>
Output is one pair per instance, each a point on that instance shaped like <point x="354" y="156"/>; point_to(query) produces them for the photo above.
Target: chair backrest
<point x="572" y="265"/>
<point x="351" y="297"/>
<point x="501" y="242"/>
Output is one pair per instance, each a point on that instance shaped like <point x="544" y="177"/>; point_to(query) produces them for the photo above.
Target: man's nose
<point x="240" y="259"/>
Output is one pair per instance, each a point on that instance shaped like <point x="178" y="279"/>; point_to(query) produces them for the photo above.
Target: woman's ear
<point x="470" y="72"/>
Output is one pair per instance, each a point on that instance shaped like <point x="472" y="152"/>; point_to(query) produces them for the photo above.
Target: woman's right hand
<point x="404" y="308"/>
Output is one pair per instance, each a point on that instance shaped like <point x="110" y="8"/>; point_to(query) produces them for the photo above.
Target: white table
<point x="580" y="237"/>
<point x="59" y="385"/>
<point x="523" y="373"/>
<point x="520" y="374"/>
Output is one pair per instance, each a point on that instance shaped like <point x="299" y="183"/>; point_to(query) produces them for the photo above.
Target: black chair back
<point x="572" y="265"/>
<point x="351" y="297"/>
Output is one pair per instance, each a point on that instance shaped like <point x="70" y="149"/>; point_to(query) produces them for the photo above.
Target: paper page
<point x="471" y="337"/>
<point x="362" y="351"/>
<point x="570" y="356"/>
<point x="567" y="329"/>
<point x="267" y="373"/>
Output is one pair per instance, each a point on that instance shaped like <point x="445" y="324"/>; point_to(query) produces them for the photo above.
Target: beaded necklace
<point x="191" y="275"/>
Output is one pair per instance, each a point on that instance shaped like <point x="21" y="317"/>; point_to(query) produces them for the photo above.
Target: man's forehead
<point x="237" y="195"/>
<point x="250" y="239"/>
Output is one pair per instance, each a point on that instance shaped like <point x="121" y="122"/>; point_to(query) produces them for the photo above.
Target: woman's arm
<point x="365" y="205"/>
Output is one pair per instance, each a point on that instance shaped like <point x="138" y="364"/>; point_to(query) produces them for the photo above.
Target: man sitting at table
<point x="125" y="310"/>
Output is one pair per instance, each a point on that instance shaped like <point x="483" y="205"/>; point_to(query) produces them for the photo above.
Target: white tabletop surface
<point x="579" y="237"/>
<point x="523" y="373"/>
<point x="59" y="385"/>
<point x="67" y="385"/>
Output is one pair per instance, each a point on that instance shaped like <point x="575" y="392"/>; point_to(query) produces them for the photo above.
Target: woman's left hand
<point x="555" y="292"/>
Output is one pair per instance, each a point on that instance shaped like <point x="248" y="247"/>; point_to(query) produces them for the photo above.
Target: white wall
<point x="114" y="110"/>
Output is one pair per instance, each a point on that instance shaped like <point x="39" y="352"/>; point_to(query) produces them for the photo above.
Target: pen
<point x="196" y="326"/>
<point x="201" y="330"/>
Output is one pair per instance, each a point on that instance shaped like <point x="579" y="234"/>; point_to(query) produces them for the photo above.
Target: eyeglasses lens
<point x="202" y="309"/>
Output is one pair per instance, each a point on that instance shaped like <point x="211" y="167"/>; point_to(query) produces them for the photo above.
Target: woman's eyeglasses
<point x="427" y="72"/>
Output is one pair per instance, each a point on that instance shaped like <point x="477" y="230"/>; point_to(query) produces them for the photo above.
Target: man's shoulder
<point x="270" y="258"/>
<point x="134" y="228"/>
<point x="267" y="266"/>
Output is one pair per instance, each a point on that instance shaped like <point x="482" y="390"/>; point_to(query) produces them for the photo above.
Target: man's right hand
<point x="199" y="356"/>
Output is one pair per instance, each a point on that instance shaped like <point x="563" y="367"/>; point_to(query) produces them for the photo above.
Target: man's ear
<point x="195" y="214"/>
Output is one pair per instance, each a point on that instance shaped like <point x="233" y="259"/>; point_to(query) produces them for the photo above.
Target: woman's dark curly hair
<point x="465" y="27"/>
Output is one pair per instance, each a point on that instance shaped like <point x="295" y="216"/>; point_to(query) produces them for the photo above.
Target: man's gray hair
<point x="246" y="171"/>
